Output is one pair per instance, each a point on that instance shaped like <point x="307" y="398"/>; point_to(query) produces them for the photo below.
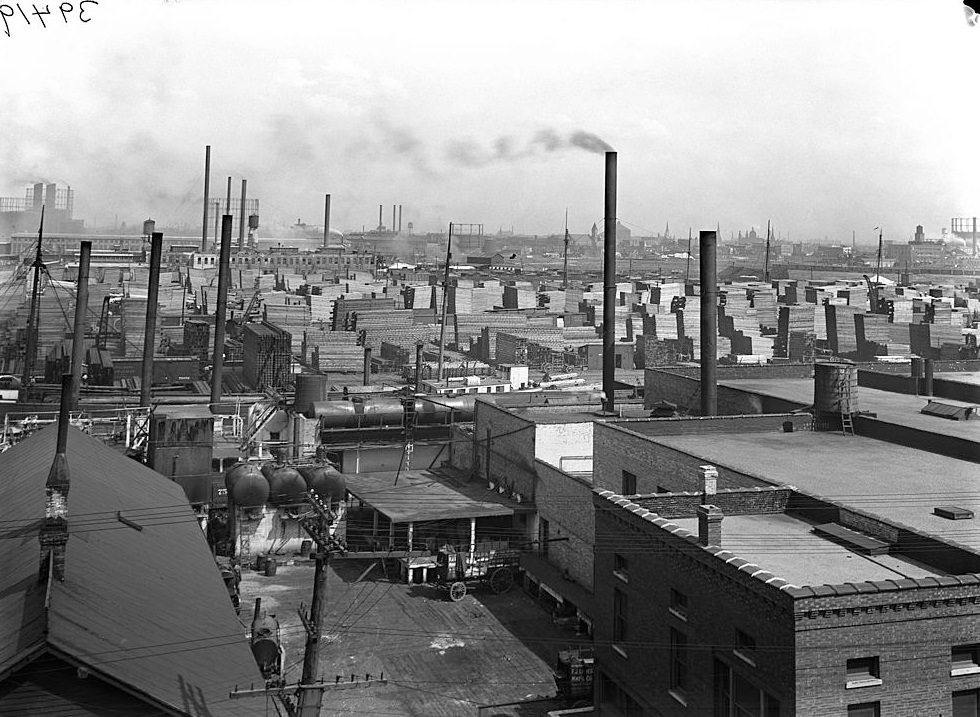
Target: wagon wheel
<point x="502" y="580"/>
<point x="457" y="591"/>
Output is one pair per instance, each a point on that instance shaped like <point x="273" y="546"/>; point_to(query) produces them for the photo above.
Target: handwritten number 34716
<point x="66" y="9"/>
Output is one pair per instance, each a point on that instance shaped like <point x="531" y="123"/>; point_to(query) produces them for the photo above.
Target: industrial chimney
<point x="709" y="323"/>
<point x="609" y="287"/>
<point x="326" y="220"/>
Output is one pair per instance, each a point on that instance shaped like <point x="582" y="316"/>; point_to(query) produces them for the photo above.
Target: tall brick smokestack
<point x="709" y="323"/>
<point x="224" y="275"/>
<point x="609" y="287"/>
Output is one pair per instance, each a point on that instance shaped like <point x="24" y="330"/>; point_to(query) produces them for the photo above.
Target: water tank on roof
<point x="835" y="392"/>
<point x="246" y="485"/>
<point x="286" y="486"/>
<point x="310" y="388"/>
<point x="149" y="226"/>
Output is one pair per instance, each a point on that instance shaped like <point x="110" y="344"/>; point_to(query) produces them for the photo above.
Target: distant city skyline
<point x="825" y="117"/>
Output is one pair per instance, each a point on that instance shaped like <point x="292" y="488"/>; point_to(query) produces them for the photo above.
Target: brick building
<point x="769" y="601"/>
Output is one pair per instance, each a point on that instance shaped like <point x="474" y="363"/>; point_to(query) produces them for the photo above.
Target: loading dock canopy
<point x="422" y="495"/>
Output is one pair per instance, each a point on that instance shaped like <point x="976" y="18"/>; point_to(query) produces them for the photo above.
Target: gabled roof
<point x="144" y="609"/>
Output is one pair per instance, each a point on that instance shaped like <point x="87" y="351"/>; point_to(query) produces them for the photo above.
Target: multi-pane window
<point x="629" y="483"/>
<point x="679" y="665"/>
<point x="620" y="616"/>
<point x="744" y="646"/>
<point x="965" y="660"/>
<point x="863" y="672"/>
<point x="966" y="703"/>
<point x="621" y="567"/>
<point x="678" y="603"/>
<point x="865" y="709"/>
<point x="737" y="696"/>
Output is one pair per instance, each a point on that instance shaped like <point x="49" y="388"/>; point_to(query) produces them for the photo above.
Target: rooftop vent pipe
<point x="609" y="287"/>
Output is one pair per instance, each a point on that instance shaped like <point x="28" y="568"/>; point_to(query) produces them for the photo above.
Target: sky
<point x="825" y="117"/>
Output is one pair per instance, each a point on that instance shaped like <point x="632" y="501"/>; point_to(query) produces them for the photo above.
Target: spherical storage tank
<point x="328" y="482"/>
<point x="286" y="486"/>
<point x="246" y="485"/>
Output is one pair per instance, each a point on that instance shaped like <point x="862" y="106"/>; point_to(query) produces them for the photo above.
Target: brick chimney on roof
<point x="707" y="481"/>
<point x="709" y="525"/>
<point x="54" y="528"/>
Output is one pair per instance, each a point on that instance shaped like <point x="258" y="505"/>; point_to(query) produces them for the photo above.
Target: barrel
<point x="305" y="548"/>
<point x="270" y="567"/>
<point x="260" y="561"/>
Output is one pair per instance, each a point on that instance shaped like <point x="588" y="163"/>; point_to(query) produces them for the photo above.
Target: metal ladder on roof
<point x="846" y="418"/>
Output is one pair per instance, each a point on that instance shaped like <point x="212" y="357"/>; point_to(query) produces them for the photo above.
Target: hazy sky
<point x="824" y="116"/>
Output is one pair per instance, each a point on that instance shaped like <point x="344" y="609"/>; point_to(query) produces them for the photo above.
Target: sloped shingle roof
<point x="144" y="608"/>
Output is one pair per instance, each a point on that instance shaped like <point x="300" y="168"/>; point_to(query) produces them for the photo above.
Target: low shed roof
<point x="421" y="495"/>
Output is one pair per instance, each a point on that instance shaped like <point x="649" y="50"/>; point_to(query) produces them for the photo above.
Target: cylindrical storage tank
<point x="310" y="389"/>
<point x="253" y="221"/>
<point x="382" y="412"/>
<point x="835" y="391"/>
<point x="265" y="643"/>
<point x="246" y="485"/>
<point x="329" y="483"/>
<point x="335" y="414"/>
<point x="286" y="486"/>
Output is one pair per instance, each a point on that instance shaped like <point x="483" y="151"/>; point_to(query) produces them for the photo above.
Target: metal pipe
<point x="152" y="292"/>
<point x="709" y="323"/>
<point x="64" y="414"/>
<point x="81" y="311"/>
<point x="609" y="287"/>
<point x="418" y="367"/>
<point x="218" y="362"/>
<point x="326" y="220"/>
<point x="367" y="365"/>
<point x="207" y="196"/>
<point x="241" y="220"/>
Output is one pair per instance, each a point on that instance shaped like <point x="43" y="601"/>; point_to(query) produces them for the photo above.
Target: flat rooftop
<point x="898" y="408"/>
<point x="971" y="377"/>
<point x="899" y="484"/>
<point x="787" y="547"/>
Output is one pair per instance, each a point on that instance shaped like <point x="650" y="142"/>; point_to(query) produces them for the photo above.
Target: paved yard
<point x="440" y="658"/>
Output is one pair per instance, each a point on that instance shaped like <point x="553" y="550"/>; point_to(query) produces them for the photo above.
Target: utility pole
<point x="445" y="295"/>
<point x="309" y="691"/>
<point x="564" y="283"/>
<point x="29" y="356"/>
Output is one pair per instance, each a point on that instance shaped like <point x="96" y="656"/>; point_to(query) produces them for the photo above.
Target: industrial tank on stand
<point x="835" y="393"/>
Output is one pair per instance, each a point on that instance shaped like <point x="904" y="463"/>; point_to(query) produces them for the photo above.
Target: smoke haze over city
<point x="825" y="117"/>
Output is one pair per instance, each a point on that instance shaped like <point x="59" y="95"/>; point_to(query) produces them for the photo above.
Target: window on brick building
<point x="965" y="660"/>
<point x="620" y="616"/>
<point x="966" y="703"/>
<point x="679" y="666"/>
<point x="621" y="567"/>
<point x="865" y="709"/>
<point x="736" y="696"/>
<point x="863" y="672"/>
<point x="678" y="604"/>
<point x="629" y="483"/>
<point x="744" y="647"/>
